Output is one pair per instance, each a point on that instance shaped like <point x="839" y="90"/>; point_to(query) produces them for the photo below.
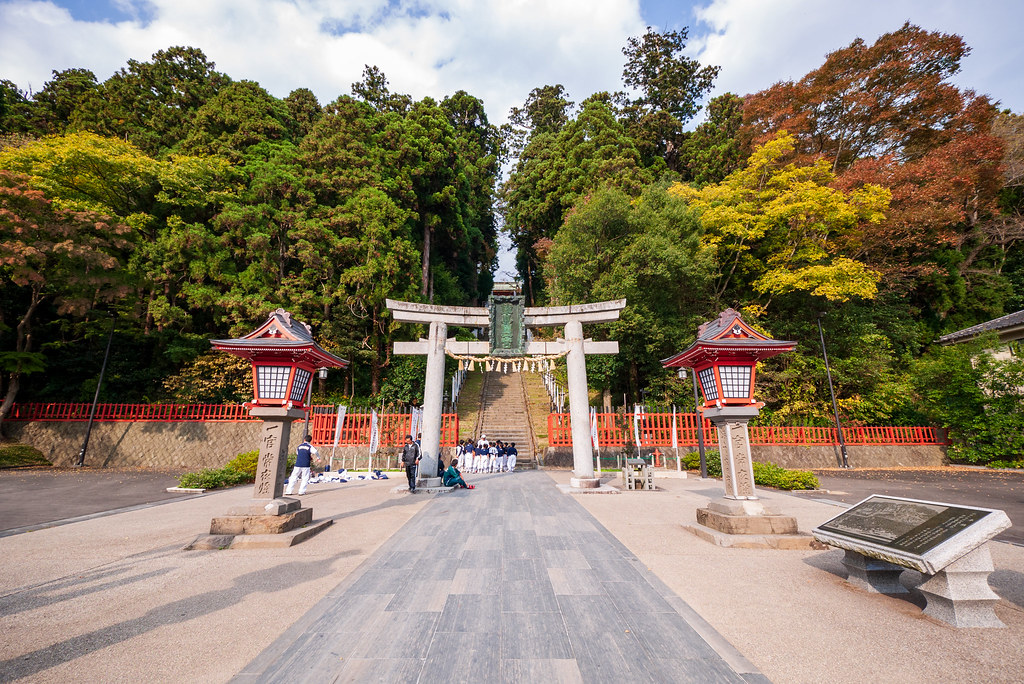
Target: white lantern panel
<point x="302" y="377"/>
<point x="272" y="381"/>
<point x="707" y="384"/>
<point x="735" y="381"/>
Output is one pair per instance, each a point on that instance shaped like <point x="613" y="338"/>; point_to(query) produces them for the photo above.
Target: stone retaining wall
<point x="179" y="445"/>
<point x="192" y="446"/>
<point x="799" y="457"/>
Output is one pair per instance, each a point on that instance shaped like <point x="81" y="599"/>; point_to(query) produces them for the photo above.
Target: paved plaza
<point x="512" y="581"/>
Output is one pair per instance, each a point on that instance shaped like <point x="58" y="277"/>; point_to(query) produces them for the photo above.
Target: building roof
<point x="1009" y="327"/>
<point x="283" y="336"/>
<point x="726" y="336"/>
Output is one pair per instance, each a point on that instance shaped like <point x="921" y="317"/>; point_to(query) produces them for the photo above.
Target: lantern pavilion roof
<point x="727" y="336"/>
<point x="282" y="337"/>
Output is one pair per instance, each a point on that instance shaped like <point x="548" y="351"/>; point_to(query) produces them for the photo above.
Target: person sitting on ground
<point x="452" y="477"/>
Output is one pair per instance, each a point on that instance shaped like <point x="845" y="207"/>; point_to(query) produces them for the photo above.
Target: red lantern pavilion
<point x="725" y="357"/>
<point x="283" y="356"/>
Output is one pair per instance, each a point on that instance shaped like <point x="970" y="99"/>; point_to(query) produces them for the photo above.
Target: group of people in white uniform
<point x="486" y="456"/>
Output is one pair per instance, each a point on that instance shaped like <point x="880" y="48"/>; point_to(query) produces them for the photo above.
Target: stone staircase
<point x="503" y="415"/>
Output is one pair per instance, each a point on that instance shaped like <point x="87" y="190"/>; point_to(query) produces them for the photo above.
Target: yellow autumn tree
<point x="779" y="227"/>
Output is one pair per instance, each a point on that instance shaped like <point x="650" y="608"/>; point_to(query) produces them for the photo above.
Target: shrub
<point x="239" y="470"/>
<point x="711" y="458"/>
<point x="214" y="478"/>
<point x="765" y="474"/>
<point x="1006" y="464"/>
<point x="245" y="463"/>
<point x="771" y="475"/>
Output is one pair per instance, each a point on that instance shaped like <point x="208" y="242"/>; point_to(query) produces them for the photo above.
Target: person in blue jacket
<point x="304" y="455"/>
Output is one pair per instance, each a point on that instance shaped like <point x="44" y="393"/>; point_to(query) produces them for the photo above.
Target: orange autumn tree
<point x="887" y="114"/>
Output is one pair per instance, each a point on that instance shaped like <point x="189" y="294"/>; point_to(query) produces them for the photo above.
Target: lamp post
<point x="832" y="392"/>
<point x="724" y="360"/>
<point x="284" y="357"/>
<point x="96" y="397"/>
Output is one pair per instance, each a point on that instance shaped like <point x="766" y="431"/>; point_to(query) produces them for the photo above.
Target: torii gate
<point x="574" y="346"/>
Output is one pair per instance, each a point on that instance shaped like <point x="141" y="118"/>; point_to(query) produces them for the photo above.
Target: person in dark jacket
<point x="410" y="459"/>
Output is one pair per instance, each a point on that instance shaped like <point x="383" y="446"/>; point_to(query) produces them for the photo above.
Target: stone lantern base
<point x="733" y="516"/>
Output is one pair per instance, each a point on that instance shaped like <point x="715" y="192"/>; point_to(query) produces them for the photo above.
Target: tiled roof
<point x="995" y="325"/>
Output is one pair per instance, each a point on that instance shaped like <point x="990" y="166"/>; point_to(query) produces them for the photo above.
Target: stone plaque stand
<point x="268" y="512"/>
<point x="958" y="594"/>
<point x="740" y="511"/>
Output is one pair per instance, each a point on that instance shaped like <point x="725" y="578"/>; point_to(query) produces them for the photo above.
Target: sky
<point x="497" y="50"/>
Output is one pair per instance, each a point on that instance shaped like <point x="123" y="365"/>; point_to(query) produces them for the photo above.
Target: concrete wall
<point x="179" y="445"/>
<point x="798" y="457"/>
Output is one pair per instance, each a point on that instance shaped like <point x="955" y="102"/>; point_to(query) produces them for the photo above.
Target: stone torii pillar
<point x="574" y="346"/>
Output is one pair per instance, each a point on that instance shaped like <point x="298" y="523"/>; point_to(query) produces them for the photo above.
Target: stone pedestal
<point x="745" y="517"/>
<point x="873" y="574"/>
<point x="268" y="512"/>
<point x="740" y="511"/>
<point x="261" y="524"/>
<point x="584" y="482"/>
<point x="959" y="593"/>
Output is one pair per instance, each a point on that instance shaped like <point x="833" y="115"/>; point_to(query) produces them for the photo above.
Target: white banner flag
<point x="338" y="423"/>
<point x="414" y="424"/>
<point x="593" y="428"/>
<point x="675" y="440"/>
<point x="636" y="424"/>
<point x="374" y="433"/>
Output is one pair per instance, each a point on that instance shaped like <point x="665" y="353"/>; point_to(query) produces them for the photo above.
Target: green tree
<point x="151" y="104"/>
<point x="303" y="112"/>
<point x="646" y="250"/>
<point x="779" y="227"/>
<point x="240" y="115"/>
<point x="59" y="97"/>
<point x="713" y="150"/>
<point x="555" y="171"/>
<point x="670" y="86"/>
<point x="977" y="397"/>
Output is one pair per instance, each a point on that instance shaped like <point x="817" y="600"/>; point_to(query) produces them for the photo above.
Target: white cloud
<point x="497" y="51"/>
<point x="759" y="43"/>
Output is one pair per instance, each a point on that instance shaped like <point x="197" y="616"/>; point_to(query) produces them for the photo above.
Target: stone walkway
<point x="511" y="582"/>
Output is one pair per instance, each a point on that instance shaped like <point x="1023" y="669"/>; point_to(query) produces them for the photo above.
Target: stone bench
<point x="637" y="474"/>
<point x="882" y="536"/>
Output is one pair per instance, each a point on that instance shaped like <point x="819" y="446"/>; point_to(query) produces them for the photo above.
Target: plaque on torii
<point x="508" y="319"/>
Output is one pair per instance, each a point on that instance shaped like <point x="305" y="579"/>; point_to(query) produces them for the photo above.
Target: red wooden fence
<point x="355" y="429"/>
<point x="615" y="430"/>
